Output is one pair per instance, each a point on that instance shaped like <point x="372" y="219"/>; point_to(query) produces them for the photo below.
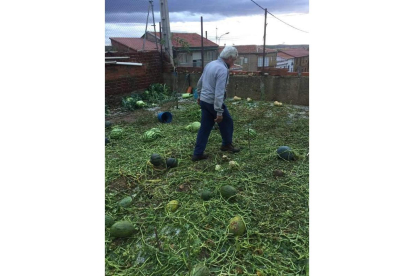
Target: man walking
<point x="211" y="89"/>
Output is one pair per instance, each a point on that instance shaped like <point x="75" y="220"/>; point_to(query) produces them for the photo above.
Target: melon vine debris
<point x="260" y="227"/>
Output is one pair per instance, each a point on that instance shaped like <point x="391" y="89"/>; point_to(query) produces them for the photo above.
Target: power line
<point x="280" y="19"/>
<point x="257" y="4"/>
<point x="287" y="23"/>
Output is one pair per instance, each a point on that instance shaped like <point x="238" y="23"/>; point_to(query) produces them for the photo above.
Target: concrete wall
<point x="285" y="89"/>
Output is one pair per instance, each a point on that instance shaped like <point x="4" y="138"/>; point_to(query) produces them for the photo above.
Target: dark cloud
<point x="136" y="10"/>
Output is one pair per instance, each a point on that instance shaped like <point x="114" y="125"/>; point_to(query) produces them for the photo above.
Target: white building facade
<point x="286" y="63"/>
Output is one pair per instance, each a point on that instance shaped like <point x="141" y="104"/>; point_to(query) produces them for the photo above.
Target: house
<point x="132" y="44"/>
<point x="285" y="61"/>
<point x="251" y="57"/>
<point x="300" y="58"/>
<point x="187" y="48"/>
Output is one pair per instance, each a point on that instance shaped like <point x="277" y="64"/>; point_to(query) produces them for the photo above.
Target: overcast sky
<point x="243" y="19"/>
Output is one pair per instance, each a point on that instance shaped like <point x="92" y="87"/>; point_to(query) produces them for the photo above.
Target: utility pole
<point x="145" y="34"/>
<point x="202" y="46"/>
<point x="162" y="57"/>
<point x="264" y="41"/>
<point x="206" y="34"/>
<point x="216" y="35"/>
<point x="166" y="33"/>
<point x="150" y="6"/>
<point x="153" y="24"/>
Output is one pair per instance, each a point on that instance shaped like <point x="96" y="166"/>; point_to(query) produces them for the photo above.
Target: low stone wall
<point x="285" y="89"/>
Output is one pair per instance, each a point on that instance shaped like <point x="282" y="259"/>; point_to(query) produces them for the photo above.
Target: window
<point x="182" y="58"/>
<point x="196" y="55"/>
<point x="245" y="60"/>
<point x="260" y="62"/>
<point x="208" y="56"/>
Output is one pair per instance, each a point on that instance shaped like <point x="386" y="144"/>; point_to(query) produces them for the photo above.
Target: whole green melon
<point x="172" y="206"/>
<point x="125" y="202"/>
<point x="200" y="270"/>
<point x="122" y="229"/>
<point x="109" y="221"/>
<point x="250" y="132"/>
<point x="228" y="191"/>
<point x="194" y="126"/>
<point x="116" y="133"/>
<point x="172" y="163"/>
<point x="151" y="134"/>
<point x="285" y="153"/>
<point x="206" y="195"/>
<point x="156" y="159"/>
<point x="236" y="226"/>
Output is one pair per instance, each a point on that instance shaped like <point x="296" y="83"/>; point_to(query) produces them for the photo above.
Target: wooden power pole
<point x="165" y="28"/>
<point x="264" y="41"/>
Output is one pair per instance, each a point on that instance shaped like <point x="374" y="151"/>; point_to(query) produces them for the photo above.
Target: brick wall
<point x="120" y="47"/>
<point x="121" y="80"/>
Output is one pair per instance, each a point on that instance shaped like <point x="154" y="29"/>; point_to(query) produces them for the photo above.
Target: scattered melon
<point x="250" y="132"/>
<point x="236" y="226"/>
<point x="200" y="270"/>
<point x="285" y="153"/>
<point x="156" y="159"/>
<point x="109" y="221"/>
<point x="116" y="133"/>
<point x="194" y="127"/>
<point x="122" y="229"/>
<point x="140" y="103"/>
<point x="233" y="165"/>
<point x="125" y="202"/>
<point x="237" y="98"/>
<point x="206" y="195"/>
<point x="172" y="163"/>
<point x="228" y="191"/>
<point x="151" y="134"/>
<point x="172" y="206"/>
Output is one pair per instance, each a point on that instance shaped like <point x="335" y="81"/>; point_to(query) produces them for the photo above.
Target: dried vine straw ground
<point x="274" y="208"/>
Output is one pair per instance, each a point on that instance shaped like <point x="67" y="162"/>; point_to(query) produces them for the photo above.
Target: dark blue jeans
<point x="208" y="114"/>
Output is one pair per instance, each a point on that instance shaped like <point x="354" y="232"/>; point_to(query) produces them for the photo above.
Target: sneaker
<point x="199" y="157"/>
<point x="230" y="148"/>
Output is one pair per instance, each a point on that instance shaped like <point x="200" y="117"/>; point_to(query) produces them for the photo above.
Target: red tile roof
<point x="285" y="56"/>
<point x="249" y="49"/>
<point x="193" y="39"/>
<point x="295" y="52"/>
<point x="135" y="43"/>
